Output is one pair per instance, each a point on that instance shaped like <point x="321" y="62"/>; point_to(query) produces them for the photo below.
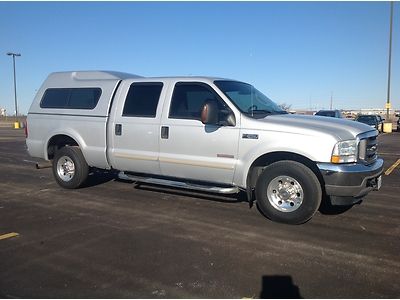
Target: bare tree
<point x="285" y="106"/>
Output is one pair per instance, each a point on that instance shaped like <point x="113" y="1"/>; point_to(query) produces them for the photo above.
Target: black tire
<point x="64" y="157"/>
<point x="305" y="186"/>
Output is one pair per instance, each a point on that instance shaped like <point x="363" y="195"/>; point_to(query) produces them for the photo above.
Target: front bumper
<point x="346" y="184"/>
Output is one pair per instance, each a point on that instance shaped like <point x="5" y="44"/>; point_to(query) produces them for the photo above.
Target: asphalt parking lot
<point x="122" y="240"/>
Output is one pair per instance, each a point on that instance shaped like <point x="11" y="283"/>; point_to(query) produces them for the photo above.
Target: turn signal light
<point x="335" y="159"/>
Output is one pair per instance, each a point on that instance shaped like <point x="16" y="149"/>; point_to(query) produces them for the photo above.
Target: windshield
<point x="326" y="113"/>
<point x="248" y="99"/>
<point x="370" y="120"/>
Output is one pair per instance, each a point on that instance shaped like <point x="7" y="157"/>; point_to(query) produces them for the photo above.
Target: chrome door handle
<point x="164" y="132"/>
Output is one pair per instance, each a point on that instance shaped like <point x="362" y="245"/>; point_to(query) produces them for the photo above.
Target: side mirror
<point x="209" y="113"/>
<point x="212" y="115"/>
<point x="230" y="119"/>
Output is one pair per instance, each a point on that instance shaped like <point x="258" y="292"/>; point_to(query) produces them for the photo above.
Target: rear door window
<point x="142" y="100"/>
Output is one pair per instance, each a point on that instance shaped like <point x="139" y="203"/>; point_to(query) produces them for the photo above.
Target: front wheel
<point x="288" y="192"/>
<point x="70" y="168"/>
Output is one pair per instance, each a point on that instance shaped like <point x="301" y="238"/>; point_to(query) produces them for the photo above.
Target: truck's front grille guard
<point x="368" y="149"/>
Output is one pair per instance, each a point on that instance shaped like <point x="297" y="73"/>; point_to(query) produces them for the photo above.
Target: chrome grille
<point x="368" y="149"/>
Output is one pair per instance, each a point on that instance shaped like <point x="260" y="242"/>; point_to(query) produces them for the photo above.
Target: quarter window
<point x="142" y="99"/>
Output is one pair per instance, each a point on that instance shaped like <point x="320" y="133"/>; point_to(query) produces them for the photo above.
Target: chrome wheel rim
<point x="65" y="168"/>
<point x="285" y="193"/>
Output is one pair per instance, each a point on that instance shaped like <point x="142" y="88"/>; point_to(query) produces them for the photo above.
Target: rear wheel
<point x="288" y="192"/>
<point x="70" y="168"/>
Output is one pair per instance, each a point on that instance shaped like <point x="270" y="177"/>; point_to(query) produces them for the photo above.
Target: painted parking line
<point x="6" y="138"/>
<point x="392" y="167"/>
<point x="389" y="153"/>
<point x="29" y="161"/>
<point x="8" y="235"/>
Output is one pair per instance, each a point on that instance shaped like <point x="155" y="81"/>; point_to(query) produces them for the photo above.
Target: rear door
<point x="134" y="128"/>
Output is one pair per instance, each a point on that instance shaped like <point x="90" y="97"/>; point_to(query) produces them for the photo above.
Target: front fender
<point x="317" y="149"/>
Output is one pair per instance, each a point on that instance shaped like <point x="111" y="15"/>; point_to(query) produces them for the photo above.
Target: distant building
<point x="375" y="111"/>
<point x="303" y="112"/>
<point x="2" y="112"/>
<point x="370" y="111"/>
<point x="352" y="113"/>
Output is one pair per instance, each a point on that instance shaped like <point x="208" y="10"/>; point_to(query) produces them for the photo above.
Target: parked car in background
<point x="330" y="113"/>
<point x="350" y="117"/>
<point x="371" y="120"/>
<point x="381" y="120"/>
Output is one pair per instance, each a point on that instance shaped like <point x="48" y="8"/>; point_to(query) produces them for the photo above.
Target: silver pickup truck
<point x="208" y="134"/>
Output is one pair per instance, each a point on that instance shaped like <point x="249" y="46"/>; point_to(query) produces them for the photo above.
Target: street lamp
<point x="390" y="60"/>
<point x="15" y="81"/>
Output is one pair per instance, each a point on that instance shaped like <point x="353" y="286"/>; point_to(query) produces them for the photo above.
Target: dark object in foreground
<point x="279" y="287"/>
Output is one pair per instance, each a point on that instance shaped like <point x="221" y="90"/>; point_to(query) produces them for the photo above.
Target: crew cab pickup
<point x="207" y="134"/>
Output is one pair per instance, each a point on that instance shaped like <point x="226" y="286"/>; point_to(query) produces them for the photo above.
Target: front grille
<point x="368" y="149"/>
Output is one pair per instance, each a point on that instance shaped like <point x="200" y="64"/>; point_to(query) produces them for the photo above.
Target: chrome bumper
<point x="347" y="183"/>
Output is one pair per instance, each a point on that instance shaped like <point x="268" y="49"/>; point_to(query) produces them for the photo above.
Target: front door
<point x="188" y="148"/>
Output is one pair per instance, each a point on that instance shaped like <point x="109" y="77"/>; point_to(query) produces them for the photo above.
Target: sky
<point x="297" y="53"/>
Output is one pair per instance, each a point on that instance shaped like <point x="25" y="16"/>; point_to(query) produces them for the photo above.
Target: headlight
<point x="344" y="152"/>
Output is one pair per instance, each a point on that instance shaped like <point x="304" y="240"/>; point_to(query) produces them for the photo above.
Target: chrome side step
<point x="180" y="184"/>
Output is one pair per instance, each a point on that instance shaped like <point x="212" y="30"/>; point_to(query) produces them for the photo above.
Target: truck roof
<point x="113" y="75"/>
<point x="91" y="75"/>
<point x="106" y="80"/>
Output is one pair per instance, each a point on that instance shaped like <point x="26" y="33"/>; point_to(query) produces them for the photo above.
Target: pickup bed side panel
<point x="86" y="126"/>
<point x="85" y="130"/>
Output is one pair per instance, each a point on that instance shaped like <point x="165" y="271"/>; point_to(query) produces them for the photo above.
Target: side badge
<point x="250" y="136"/>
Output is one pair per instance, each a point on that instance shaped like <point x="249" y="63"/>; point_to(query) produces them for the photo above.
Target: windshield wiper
<point x="261" y="111"/>
<point x="253" y="109"/>
<point x="258" y="113"/>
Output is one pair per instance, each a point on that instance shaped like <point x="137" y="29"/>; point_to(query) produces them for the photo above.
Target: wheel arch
<point x="264" y="160"/>
<point x="57" y="141"/>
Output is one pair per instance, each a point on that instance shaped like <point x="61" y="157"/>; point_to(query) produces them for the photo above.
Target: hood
<point x="341" y="129"/>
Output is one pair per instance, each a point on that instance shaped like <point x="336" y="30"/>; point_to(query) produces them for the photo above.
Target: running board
<point x="180" y="184"/>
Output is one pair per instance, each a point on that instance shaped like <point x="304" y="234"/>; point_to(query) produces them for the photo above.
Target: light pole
<point x="390" y="60"/>
<point x="15" y="81"/>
